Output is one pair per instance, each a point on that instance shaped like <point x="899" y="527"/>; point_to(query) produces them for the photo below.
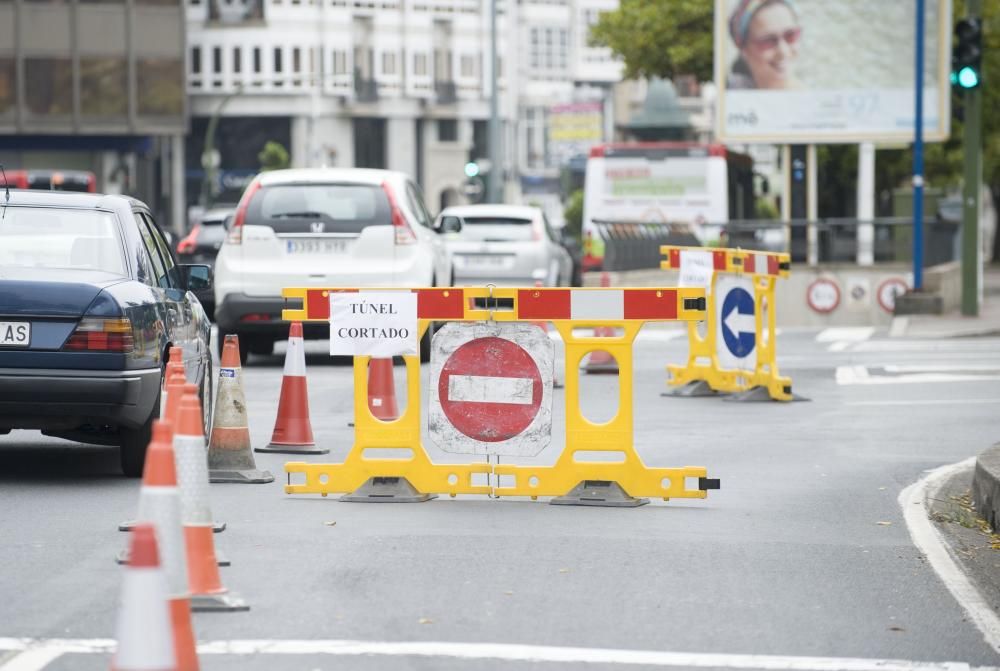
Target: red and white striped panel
<point x="761" y="264"/>
<point x="596" y="304"/>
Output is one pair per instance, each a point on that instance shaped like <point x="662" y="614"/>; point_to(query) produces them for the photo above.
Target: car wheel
<point x="133" y="443"/>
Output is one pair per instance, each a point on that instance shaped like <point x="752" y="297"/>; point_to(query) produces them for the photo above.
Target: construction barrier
<point x="572" y="479"/>
<point x="737" y="352"/>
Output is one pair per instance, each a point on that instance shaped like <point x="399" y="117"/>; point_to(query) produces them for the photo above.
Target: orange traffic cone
<point x="230" y="458"/>
<point x="175" y="363"/>
<point x="382" y="390"/>
<point x="207" y="592"/>
<point x="160" y="505"/>
<point x="145" y="639"/>
<point x="292" y="429"/>
<point x="600" y="361"/>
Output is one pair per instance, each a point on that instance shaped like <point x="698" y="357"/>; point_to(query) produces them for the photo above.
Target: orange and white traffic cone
<point x="145" y="638"/>
<point x="292" y="429"/>
<point x="230" y="458"/>
<point x="160" y="505"/>
<point x="382" y="390"/>
<point x="600" y="361"/>
<point x="207" y="592"/>
<point x="175" y="363"/>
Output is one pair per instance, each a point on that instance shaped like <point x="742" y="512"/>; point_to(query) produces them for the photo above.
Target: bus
<point x="696" y="187"/>
<point x="51" y="180"/>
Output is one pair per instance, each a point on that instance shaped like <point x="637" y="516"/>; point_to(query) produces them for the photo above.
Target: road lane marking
<point x="486" y="651"/>
<point x="923" y="401"/>
<point x="928" y="540"/>
<point x="842" y="337"/>
<point x="854" y="375"/>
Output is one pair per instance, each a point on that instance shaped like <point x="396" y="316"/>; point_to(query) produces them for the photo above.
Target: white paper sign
<point x="375" y="323"/>
<point x="696" y="270"/>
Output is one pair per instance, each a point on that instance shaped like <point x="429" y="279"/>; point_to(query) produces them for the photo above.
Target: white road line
<point x="928" y="540"/>
<point x="943" y="401"/>
<point x="839" y="346"/>
<point x="943" y="368"/>
<point x="34" y="659"/>
<point x="848" y="333"/>
<point x="898" y="327"/>
<point x="851" y="375"/>
<point x="503" y="652"/>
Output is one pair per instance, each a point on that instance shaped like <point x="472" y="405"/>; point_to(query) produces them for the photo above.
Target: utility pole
<point x="918" y="156"/>
<point x="972" y="145"/>
<point x="494" y="187"/>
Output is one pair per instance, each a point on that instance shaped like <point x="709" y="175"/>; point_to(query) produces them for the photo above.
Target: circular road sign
<point x="823" y="295"/>
<point x="888" y="290"/>
<point x="491" y="389"/>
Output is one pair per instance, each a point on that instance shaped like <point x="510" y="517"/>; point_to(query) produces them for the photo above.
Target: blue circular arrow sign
<point x="738" y="323"/>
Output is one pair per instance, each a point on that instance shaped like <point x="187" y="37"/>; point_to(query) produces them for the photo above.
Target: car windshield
<point x="52" y="237"/>
<point x="334" y="208"/>
<point x="497" y="229"/>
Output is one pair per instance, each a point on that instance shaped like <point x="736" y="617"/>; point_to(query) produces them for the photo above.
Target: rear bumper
<point x="234" y="308"/>
<point x="64" y="399"/>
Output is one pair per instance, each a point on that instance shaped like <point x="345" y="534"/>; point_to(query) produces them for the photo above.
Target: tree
<point x="573" y="213"/>
<point x="273" y="156"/>
<point x="659" y="38"/>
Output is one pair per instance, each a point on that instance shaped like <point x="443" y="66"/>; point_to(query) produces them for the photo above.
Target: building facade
<point x="397" y="84"/>
<point x="97" y="86"/>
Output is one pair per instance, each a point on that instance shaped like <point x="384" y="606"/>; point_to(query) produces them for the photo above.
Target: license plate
<point x="314" y="246"/>
<point x="15" y="334"/>
<point x="485" y="261"/>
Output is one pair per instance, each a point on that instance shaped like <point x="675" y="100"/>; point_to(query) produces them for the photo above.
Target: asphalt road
<point x="802" y="553"/>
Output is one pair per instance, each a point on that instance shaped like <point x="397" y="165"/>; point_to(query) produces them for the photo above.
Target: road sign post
<point x="488" y="428"/>
<point x="737" y="353"/>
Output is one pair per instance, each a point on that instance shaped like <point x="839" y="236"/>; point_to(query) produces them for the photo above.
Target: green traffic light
<point x="968" y="78"/>
<point x="471" y="169"/>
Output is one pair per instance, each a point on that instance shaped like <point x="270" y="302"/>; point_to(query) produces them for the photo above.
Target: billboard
<point x="573" y="129"/>
<point x="825" y="71"/>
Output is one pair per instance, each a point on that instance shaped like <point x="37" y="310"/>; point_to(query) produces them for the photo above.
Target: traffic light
<point x="967" y="54"/>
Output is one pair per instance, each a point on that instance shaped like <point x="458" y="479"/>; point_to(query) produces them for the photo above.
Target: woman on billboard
<point x="767" y="34"/>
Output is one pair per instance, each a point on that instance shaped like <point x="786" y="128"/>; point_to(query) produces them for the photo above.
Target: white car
<point x="506" y="245"/>
<point x="320" y="227"/>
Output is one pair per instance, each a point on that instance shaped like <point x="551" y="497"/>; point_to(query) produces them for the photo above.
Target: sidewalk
<point x="955" y="325"/>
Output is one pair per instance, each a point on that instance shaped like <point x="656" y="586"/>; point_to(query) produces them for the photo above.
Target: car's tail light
<point x="401" y="227"/>
<point x="235" y="236"/>
<point x="94" y="334"/>
<point x="187" y="245"/>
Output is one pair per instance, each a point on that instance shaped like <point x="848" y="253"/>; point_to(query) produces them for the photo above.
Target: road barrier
<point x="601" y="362"/>
<point x="574" y="478"/>
<point x="230" y="458"/>
<point x="737" y="352"/>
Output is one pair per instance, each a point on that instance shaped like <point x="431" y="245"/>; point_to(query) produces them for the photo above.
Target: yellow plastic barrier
<point x="703" y="363"/>
<point x="567" y="309"/>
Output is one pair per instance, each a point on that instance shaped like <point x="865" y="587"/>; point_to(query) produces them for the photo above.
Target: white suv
<point x="320" y="227"/>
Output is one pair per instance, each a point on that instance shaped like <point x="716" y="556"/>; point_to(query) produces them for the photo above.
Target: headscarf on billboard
<point x="767" y="34"/>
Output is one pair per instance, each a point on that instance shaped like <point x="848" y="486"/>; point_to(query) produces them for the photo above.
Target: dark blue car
<point x="91" y="300"/>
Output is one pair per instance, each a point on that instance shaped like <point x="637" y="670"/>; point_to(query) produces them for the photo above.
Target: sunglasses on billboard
<point x="789" y="37"/>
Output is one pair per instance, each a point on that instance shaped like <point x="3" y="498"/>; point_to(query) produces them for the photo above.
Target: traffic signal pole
<point x="918" y="157"/>
<point x="493" y="185"/>
<point x="972" y="143"/>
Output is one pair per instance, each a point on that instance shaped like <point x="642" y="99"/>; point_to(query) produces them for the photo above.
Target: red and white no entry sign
<point x="491" y="389"/>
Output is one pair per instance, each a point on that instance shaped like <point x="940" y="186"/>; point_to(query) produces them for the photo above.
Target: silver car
<point x="506" y="245"/>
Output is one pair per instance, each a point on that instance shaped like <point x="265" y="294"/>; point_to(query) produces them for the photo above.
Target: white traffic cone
<point x="160" y="505"/>
<point x="145" y="639"/>
<point x="207" y="592"/>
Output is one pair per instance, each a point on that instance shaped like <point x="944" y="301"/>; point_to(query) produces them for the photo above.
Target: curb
<point x="986" y="485"/>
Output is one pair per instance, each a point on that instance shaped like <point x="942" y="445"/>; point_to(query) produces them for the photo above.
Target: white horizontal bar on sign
<point x="485" y="389"/>
<point x="589" y="304"/>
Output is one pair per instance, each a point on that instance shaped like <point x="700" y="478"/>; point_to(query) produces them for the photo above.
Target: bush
<point x="573" y="213"/>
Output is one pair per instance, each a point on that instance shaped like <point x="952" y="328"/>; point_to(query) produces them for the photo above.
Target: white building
<point x="402" y="84"/>
<point x="399" y="84"/>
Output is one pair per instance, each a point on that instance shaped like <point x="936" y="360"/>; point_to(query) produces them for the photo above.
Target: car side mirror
<point x="197" y="277"/>
<point x="450" y="224"/>
<point x="227" y="222"/>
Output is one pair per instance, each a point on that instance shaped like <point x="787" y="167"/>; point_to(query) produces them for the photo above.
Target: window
<point x="277" y="60"/>
<point x="49" y="85"/>
<point x="217" y="60"/>
<point x="549" y="48"/>
<point x="160" y="82"/>
<point x="237" y="60"/>
<point x="256" y="60"/>
<point x="103" y="87"/>
<point x="196" y="60"/>
<point x="173" y="275"/>
<point x="416" y="202"/>
<point x="468" y="64"/>
<point x="339" y="62"/>
<point x="447" y="130"/>
<point x="420" y="64"/>
<point x="159" y="271"/>
<point x="296" y="59"/>
<point x="388" y="63"/>
<point x="53" y="237"/>
<point x="7" y="83"/>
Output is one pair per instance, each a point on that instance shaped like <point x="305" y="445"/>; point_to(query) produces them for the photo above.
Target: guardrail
<point x="632" y="245"/>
